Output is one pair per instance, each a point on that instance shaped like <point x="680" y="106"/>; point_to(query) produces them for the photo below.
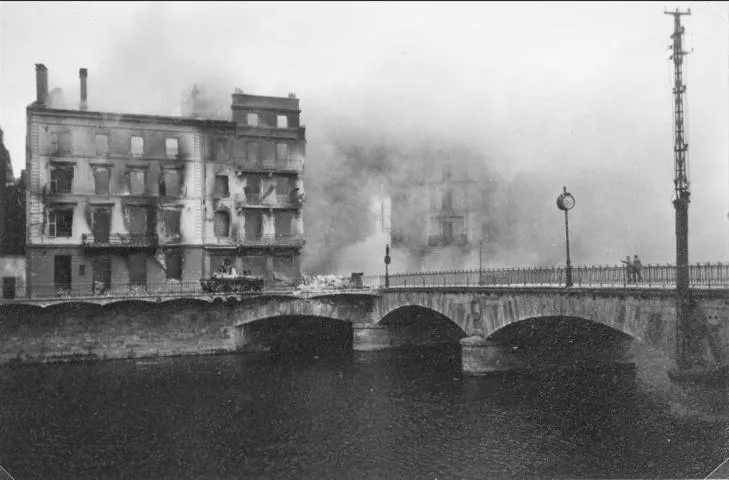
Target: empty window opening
<point x="281" y="262"/>
<point x="222" y="224"/>
<point x="171" y="220"/>
<point x="137" y="182"/>
<point x="101" y="181"/>
<point x="138" y="221"/>
<point x="282" y="121"/>
<point x="253" y="189"/>
<point x="252" y="152"/>
<point x="62" y="271"/>
<point x="137" y="148"/>
<point x="102" y="274"/>
<point x="173" y="260"/>
<point x="254" y="264"/>
<point x="283" y="223"/>
<point x="61" y="179"/>
<point x="221" y="186"/>
<point x="65" y="143"/>
<point x="446" y="231"/>
<point x="252" y="119"/>
<point x="102" y="145"/>
<point x="82" y="270"/>
<point x="172" y="147"/>
<point x="101" y="225"/>
<point x="447" y="173"/>
<point x="8" y="287"/>
<point x="282" y="153"/>
<point x="169" y="184"/>
<point x="447" y="200"/>
<point x="60" y="223"/>
<point x="254" y="225"/>
<point x="218" y="262"/>
<point x="283" y="186"/>
<point x="138" y="269"/>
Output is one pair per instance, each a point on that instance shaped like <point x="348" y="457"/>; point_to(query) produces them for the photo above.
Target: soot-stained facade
<point x="253" y="189"/>
<point x="153" y="204"/>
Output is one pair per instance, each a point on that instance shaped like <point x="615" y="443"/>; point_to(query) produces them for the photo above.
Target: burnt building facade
<point x="136" y="203"/>
<point x="254" y="191"/>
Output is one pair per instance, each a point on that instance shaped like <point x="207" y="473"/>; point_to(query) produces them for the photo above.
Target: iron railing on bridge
<point x="700" y="275"/>
<point x="658" y="276"/>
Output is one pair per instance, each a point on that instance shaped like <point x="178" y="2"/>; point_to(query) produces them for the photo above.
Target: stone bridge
<point x="487" y="320"/>
<point x="498" y="327"/>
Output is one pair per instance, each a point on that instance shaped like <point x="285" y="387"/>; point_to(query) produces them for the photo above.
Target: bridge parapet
<point x="653" y="275"/>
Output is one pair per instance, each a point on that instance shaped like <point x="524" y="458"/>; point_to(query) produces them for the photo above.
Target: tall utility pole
<point x="681" y="198"/>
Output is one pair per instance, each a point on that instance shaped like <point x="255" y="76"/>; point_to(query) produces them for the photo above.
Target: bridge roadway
<point x="483" y="316"/>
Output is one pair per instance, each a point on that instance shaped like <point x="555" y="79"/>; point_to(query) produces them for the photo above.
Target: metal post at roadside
<point x="566" y="202"/>
<point x="387" y="262"/>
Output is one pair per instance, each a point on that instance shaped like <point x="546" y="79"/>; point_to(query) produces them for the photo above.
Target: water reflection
<point x="399" y="414"/>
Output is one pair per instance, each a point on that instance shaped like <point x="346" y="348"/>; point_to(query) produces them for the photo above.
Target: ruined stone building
<point x="253" y="188"/>
<point x="156" y="203"/>
<point x="445" y="214"/>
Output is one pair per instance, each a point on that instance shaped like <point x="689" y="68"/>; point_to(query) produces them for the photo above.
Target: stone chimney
<point x="82" y="74"/>
<point x="41" y="84"/>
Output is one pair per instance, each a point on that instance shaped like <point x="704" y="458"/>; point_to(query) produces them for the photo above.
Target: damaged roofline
<point x="41" y="109"/>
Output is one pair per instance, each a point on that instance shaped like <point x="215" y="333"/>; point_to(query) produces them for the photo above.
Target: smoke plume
<point x="372" y="118"/>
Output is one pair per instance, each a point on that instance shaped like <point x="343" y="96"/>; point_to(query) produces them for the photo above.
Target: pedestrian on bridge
<point x="629" y="270"/>
<point x="637" y="267"/>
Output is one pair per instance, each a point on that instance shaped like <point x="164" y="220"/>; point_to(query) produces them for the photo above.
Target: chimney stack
<point x="82" y="74"/>
<point x="41" y="84"/>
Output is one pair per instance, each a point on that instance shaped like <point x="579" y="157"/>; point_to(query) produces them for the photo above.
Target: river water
<point x="336" y="415"/>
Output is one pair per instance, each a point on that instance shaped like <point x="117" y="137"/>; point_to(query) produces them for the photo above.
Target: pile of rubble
<point x="318" y="283"/>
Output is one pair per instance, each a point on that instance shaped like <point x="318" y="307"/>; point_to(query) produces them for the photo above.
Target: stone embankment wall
<point x="123" y="330"/>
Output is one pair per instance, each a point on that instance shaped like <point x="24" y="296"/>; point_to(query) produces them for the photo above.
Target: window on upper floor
<point x="221" y="186"/>
<point x="283" y="186"/>
<point x="173" y="260"/>
<point x="61" y="179"/>
<point x="137" y="182"/>
<point x="252" y="119"/>
<point x="447" y="175"/>
<point x="222" y="224"/>
<point x="282" y="121"/>
<point x="282" y="153"/>
<point x="171" y="219"/>
<point x="252" y="152"/>
<point x="65" y="143"/>
<point x="101" y="181"/>
<point x="60" y="223"/>
<point x="169" y="184"/>
<point x="102" y="145"/>
<point x="137" y="146"/>
<point x="447" y="200"/>
<point x="172" y="147"/>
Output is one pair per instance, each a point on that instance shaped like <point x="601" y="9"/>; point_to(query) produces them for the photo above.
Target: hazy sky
<point x="571" y="90"/>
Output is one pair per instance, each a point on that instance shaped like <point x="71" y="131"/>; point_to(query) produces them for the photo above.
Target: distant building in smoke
<point x="381" y="207"/>
<point x="152" y="201"/>
<point x="444" y="214"/>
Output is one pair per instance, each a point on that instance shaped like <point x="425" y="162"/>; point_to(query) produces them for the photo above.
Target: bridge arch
<point x="486" y="312"/>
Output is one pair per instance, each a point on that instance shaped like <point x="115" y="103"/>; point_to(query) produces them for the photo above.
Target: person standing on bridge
<point x="637" y="267"/>
<point x="629" y="276"/>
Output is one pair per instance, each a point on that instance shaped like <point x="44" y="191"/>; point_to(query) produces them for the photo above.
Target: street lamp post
<point x="387" y="262"/>
<point x="566" y="202"/>
<point x="480" y="262"/>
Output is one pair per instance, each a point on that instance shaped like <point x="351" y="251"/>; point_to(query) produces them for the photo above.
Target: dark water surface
<point x="406" y="414"/>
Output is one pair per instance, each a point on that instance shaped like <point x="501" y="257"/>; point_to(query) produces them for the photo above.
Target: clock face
<point x="568" y="201"/>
